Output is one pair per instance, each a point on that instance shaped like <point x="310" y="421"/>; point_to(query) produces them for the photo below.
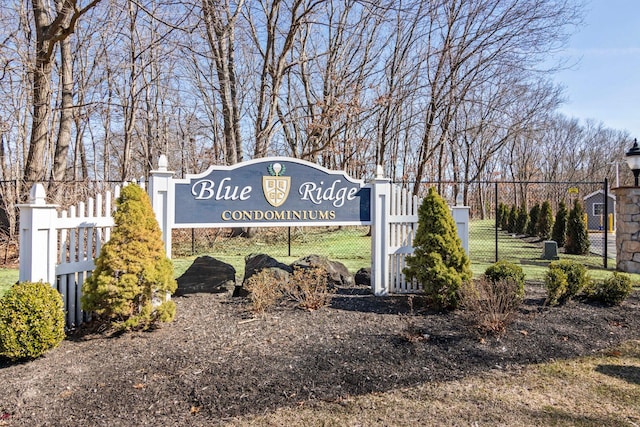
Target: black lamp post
<point x="633" y="160"/>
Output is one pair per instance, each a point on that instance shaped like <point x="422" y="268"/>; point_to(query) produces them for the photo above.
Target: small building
<point x="594" y="208"/>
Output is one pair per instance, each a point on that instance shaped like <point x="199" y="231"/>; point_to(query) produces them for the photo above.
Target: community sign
<point x="271" y="191"/>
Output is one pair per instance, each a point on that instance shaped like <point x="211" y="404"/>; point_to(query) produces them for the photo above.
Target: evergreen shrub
<point x="31" y="320"/>
<point x="577" y="242"/>
<point x="500" y="214"/>
<point x="504" y="218"/>
<point x="560" y="225"/>
<point x="439" y="261"/>
<point x="556" y="283"/>
<point x="131" y="285"/>
<point x="577" y="279"/>
<point x="545" y="221"/>
<point x="534" y="212"/>
<point x="611" y="291"/>
<point x="513" y="220"/>
<point x="522" y="220"/>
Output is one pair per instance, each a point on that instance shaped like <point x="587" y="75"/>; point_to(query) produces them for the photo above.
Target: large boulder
<point x="207" y="275"/>
<point x="363" y="277"/>
<point x="337" y="273"/>
<point x="254" y="263"/>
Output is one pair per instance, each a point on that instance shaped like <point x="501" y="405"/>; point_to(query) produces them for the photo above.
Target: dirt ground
<point x="216" y="360"/>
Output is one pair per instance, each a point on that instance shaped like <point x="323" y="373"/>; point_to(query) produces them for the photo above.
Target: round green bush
<point x="576" y="277"/>
<point x="613" y="290"/>
<point x="505" y="270"/>
<point x="556" y="283"/>
<point x="31" y="320"/>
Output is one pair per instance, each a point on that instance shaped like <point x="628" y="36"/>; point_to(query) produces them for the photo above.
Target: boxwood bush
<point x="31" y="320"/>
<point x="574" y="274"/>
<point x="611" y="291"/>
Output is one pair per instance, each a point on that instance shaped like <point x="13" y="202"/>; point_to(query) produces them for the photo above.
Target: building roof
<point x="588" y="196"/>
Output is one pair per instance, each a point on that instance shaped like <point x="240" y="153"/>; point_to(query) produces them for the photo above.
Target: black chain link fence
<point x="490" y="242"/>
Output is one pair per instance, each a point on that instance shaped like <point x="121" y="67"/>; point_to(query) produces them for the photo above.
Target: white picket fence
<point x="403" y="224"/>
<point x="71" y="238"/>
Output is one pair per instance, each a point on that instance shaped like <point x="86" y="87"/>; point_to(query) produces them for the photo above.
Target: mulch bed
<point x="217" y="361"/>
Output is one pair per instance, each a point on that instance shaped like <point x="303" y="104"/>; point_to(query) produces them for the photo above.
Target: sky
<point x="604" y="83"/>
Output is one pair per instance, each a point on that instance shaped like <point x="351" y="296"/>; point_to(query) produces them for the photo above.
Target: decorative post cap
<point x="379" y="171"/>
<point x="37" y="195"/>
<point x="163" y="163"/>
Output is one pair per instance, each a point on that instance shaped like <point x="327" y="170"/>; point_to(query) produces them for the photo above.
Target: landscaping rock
<point x="207" y="275"/>
<point x="363" y="277"/>
<point x="254" y="263"/>
<point x="338" y="274"/>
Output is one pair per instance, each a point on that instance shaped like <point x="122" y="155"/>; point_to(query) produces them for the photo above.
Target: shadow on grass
<point x="630" y="374"/>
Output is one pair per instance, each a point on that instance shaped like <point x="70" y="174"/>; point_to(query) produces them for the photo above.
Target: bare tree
<point x="51" y="27"/>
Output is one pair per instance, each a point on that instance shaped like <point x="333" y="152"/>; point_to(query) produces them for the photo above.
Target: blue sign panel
<point x="277" y="190"/>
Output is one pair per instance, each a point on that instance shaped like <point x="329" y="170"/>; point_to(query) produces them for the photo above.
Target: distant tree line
<point x="456" y="90"/>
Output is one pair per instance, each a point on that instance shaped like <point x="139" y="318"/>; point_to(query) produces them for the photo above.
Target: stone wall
<point x="628" y="229"/>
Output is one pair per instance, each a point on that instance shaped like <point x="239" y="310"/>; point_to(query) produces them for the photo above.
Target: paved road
<point x="597" y="244"/>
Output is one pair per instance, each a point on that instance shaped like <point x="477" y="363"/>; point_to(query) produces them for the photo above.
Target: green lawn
<point x="527" y="255"/>
<point x="348" y="245"/>
<point x="8" y="276"/>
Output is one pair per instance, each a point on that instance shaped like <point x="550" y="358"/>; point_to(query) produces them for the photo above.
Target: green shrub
<point x="576" y="277"/>
<point x="504" y="218"/>
<point x="611" y="291"/>
<point x="577" y="242"/>
<point x="559" y="232"/>
<point x="545" y="221"/>
<point x="500" y="214"/>
<point x="534" y="213"/>
<point x="439" y="261"/>
<point x="513" y="220"/>
<point x="556" y="283"/>
<point x="505" y="270"/>
<point x="131" y="285"/>
<point x="490" y="305"/>
<point x="522" y="220"/>
<point x="31" y="320"/>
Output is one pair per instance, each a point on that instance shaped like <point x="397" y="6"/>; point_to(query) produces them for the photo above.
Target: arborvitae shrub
<point x="499" y="214"/>
<point x="534" y="213"/>
<point x="577" y="234"/>
<point x="133" y="279"/>
<point x="439" y="261"/>
<point x="545" y="221"/>
<point x="31" y="320"/>
<point x="503" y="270"/>
<point x="560" y="225"/>
<point x="504" y="218"/>
<point x="611" y="291"/>
<point x="577" y="278"/>
<point x="513" y="220"/>
<point x="522" y="220"/>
